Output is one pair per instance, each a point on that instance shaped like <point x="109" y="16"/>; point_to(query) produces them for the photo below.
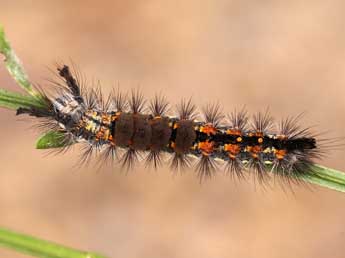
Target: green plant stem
<point x="326" y="177"/>
<point x="40" y="248"/>
<point x="14" y="65"/>
<point x="13" y="100"/>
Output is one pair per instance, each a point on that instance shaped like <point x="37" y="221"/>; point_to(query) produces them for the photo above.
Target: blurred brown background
<point x="288" y="55"/>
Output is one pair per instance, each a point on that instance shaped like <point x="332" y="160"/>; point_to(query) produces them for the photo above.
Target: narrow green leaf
<point x="13" y="100"/>
<point x="40" y="248"/>
<point x="50" y="140"/>
<point x="14" y="65"/>
<point x="326" y="177"/>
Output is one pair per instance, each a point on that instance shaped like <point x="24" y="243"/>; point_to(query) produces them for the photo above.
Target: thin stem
<point x="326" y="177"/>
<point x="40" y="248"/>
<point x="13" y="100"/>
<point x="14" y="65"/>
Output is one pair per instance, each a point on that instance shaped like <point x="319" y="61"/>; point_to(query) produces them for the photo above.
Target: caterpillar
<point x="123" y="129"/>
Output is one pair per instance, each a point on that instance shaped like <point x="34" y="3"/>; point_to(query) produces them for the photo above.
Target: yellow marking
<point x="88" y="126"/>
<point x="106" y="134"/>
<point x="260" y="140"/>
<point x="267" y="150"/>
<point x="239" y="139"/>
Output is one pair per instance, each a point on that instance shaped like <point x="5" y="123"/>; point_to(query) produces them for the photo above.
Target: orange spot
<point x="260" y="140"/>
<point x="239" y="139"/>
<point x="234" y="132"/>
<point x="280" y="154"/>
<point x="106" y="118"/>
<point x="116" y="116"/>
<point x="208" y="129"/>
<point x="233" y="149"/>
<point x="255" y="150"/>
<point x="206" y="147"/>
<point x="259" y="134"/>
<point x="175" y="125"/>
<point x="173" y="145"/>
<point x="99" y="134"/>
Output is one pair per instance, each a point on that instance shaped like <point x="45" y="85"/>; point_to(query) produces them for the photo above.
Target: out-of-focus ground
<point x="288" y="55"/>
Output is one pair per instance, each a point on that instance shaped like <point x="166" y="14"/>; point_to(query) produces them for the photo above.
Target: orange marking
<point x="233" y="150"/>
<point x="208" y="129"/>
<point x="175" y="125"/>
<point x="173" y="145"/>
<point x="259" y="134"/>
<point x="260" y="140"/>
<point x="117" y="115"/>
<point x="254" y="150"/>
<point x="280" y="154"/>
<point x="239" y="139"/>
<point x="206" y="147"/>
<point x="99" y="134"/>
<point x="106" y="118"/>
<point x="113" y="118"/>
<point x="234" y="132"/>
<point x="106" y="135"/>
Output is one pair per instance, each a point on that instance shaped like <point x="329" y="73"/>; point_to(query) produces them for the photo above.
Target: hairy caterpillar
<point x="119" y="129"/>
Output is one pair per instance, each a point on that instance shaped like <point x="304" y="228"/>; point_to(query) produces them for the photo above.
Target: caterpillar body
<point x="120" y="124"/>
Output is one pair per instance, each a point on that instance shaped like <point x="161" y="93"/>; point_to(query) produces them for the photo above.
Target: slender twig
<point x="326" y="177"/>
<point x="40" y="248"/>
<point x="14" y="65"/>
<point x="13" y="100"/>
